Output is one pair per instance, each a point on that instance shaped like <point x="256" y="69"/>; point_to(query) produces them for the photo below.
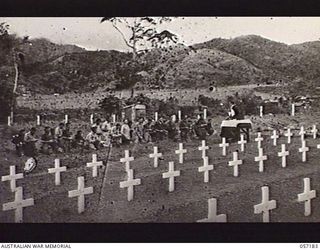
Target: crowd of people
<point x="104" y="133"/>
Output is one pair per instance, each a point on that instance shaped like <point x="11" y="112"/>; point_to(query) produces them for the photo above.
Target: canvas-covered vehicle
<point x="232" y="129"/>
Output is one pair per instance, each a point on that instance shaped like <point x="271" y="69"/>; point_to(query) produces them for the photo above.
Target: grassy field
<point x="152" y="202"/>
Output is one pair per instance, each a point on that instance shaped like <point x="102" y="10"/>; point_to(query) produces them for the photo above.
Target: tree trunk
<point x="15" y="86"/>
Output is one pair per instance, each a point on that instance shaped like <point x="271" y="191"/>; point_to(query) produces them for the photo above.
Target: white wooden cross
<point x="314" y="131"/>
<point x="66" y="119"/>
<point x="260" y="158"/>
<point x="318" y="146"/>
<point x="307" y="196"/>
<point x="293" y="109"/>
<point x="235" y="163"/>
<point x="289" y="134"/>
<point x="12" y="177"/>
<point x="284" y="155"/>
<point x="80" y="193"/>
<point x="265" y="206"/>
<point x="94" y="165"/>
<point x="91" y="119"/>
<point x="274" y="137"/>
<point x="171" y="174"/>
<point x="212" y="213"/>
<point x="9" y="121"/>
<point x="179" y="115"/>
<point x="242" y="142"/>
<point x="57" y="171"/>
<point x="18" y="204"/>
<point x="205" y="114"/>
<point x="127" y="159"/>
<point x="224" y="146"/>
<point x="261" y="111"/>
<point x="302" y="133"/>
<point x="205" y="168"/>
<point x="156" y="156"/>
<point x="130" y="183"/>
<point x="38" y="120"/>
<point x="203" y="148"/>
<point x="156" y="116"/>
<point x="259" y="139"/>
<point x="180" y="152"/>
<point x="304" y="149"/>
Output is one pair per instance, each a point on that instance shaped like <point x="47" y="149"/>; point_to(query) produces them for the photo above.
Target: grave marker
<point x="127" y="159"/>
<point x="293" y="109"/>
<point x="242" y="142"/>
<point x="130" y="183"/>
<point x="203" y="148"/>
<point x="12" y="177"/>
<point x="205" y="168"/>
<point x="205" y="114"/>
<point x="284" y="155"/>
<point x="212" y="213"/>
<point x="304" y="149"/>
<point x="91" y="119"/>
<point x="259" y="139"/>
<point x="38" y="120"/>
<point x="224" y="146"/>
<point x="274" y="137"/>
<point x="114" y="118"/>
<point x="66" y="119"/>
<point x="265" y="206"/>
<point x="179" y="115"/>
<point x="80" y="193"/>
<point x="235" y="164"/>
<point x="94" y="165"/>
<point x="156" y="116"/>
<point x="307" y="196"/>
<point x="260" y="158"/>
<point x="9" y="121"/>
<point x="289" y="134"/>
<point x="171" y="174"/>
<point x="261" y="111"/>
<point x="302" y="133"/>
<point x="156" y="156"/>
<point x="314" y="131"/>
<point x="57" y="171"/>
<point x="180" y="152"/>
<point x="18" y="204"/>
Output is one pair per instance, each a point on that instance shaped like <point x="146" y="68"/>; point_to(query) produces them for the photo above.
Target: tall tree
<point x="142" y="33"/>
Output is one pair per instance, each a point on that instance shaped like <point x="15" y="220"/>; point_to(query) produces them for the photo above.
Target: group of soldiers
<point x="104" y="133"/>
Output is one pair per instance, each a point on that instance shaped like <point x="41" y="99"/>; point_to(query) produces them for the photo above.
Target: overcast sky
<point x="90" y="34"/>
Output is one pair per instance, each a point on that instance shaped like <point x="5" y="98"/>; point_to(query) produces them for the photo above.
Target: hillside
<point x="49" y="67"/>
<point x="278" y="60"/>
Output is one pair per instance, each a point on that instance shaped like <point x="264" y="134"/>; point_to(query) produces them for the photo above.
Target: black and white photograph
<point x="159" y="119"/>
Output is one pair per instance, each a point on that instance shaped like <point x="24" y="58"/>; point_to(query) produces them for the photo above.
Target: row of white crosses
<point x="19" y="203"/>
<point x="265" y="206"/>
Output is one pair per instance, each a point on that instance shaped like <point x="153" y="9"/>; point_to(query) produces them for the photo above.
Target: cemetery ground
<point x="152" y="201"/>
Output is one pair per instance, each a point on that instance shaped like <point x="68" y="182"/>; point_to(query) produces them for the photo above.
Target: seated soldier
<point x="125" y="132"/>
<point x="106" y="126"/>
<point x="78" y="140"/>
<point x="116" y="135"/>
<point x="98" y="126"/>
<point x="92" y="139"/>
<point x="138" y="131"/>
<point x="209" y="127"/>
<point x="66" y="138"/>
<point x="147" y="130"/>
<point x="184" y="129"/>
<point x="30" y="143"/>
<point x="200" y="128"/>
<point x="47" y="141"/>
<point x="58" y="133"/>
<point x="18" y="141"/>
<point x="172" y="131"/>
